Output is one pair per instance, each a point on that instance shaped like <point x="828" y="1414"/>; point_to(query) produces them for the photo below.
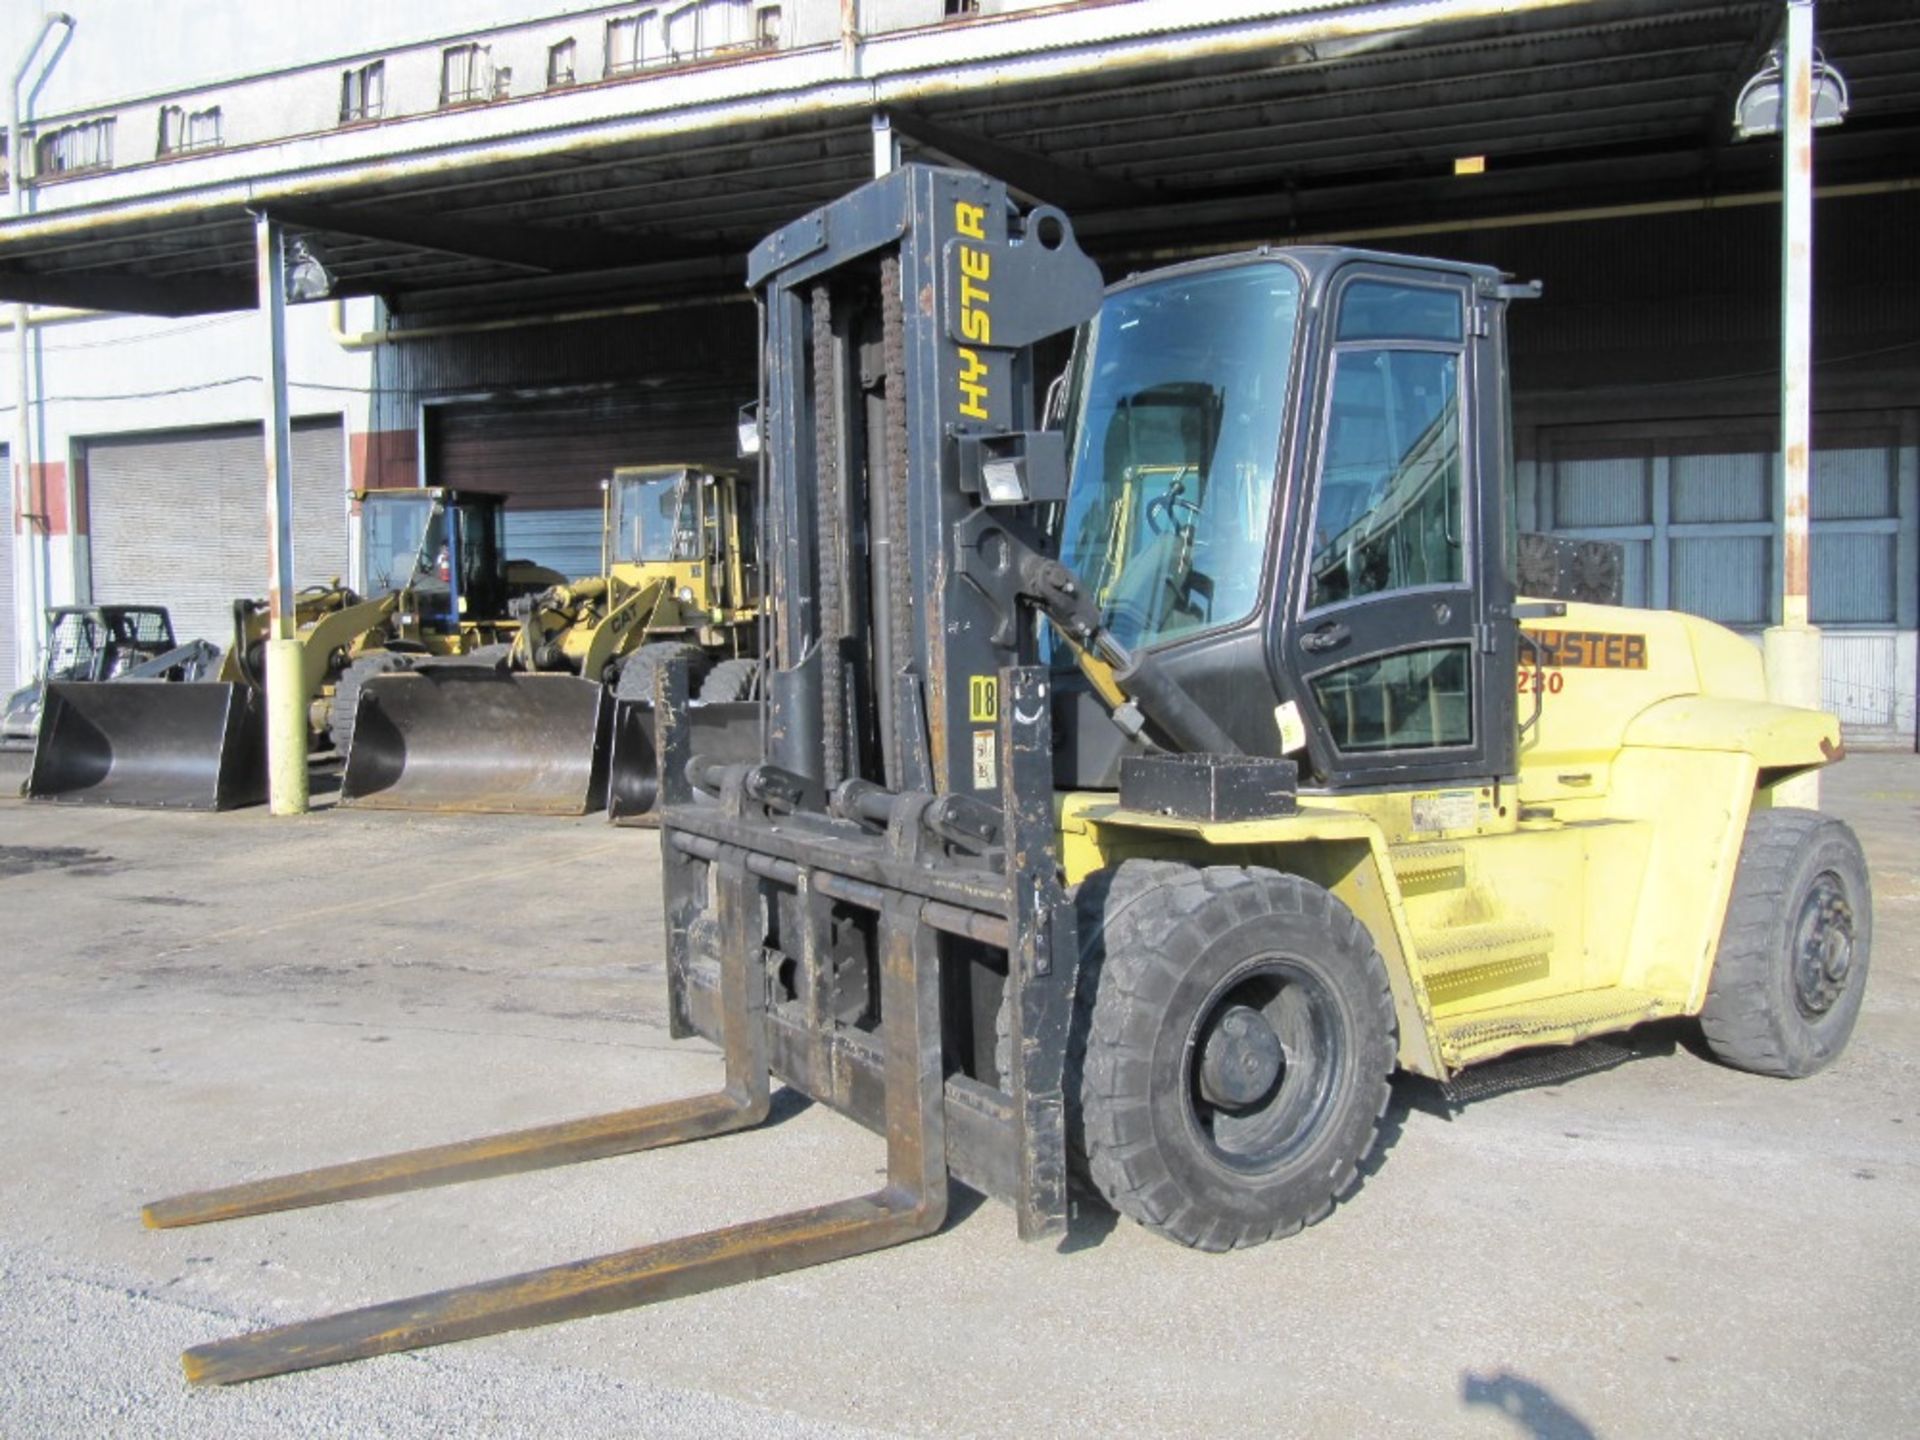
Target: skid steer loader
<point x="98" y="643"/>
<point x="441" y="590"/>
<point x="1138" y="795"/>
<point x="562" y="723"/>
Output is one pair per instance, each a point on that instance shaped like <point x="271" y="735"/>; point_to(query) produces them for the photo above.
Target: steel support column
<point x="1793" y="646"/>
<point x="286" y="686"/>
<point x="33" y="557"/>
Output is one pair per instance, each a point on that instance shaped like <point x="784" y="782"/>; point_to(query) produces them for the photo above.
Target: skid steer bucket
<point x="726" y="731"/>
<point x="154" y="744"/>
<point x="474" y="738"/>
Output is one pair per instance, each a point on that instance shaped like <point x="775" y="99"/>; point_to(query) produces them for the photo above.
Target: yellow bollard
<point x="286" y="728"/>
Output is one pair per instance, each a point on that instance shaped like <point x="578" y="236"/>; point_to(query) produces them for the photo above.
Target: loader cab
<point x="1290" y="475"/>
<point x="97" y="642"/>
<point x="443" y="548"/>
<point x="681" y="515"/>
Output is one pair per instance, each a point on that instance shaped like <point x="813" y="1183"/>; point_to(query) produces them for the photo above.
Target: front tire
<point x="730" y="681"/>
<point x="346" y="692"/>
<point x="1791" y="969"/>
<point x="1238" y="1045"/>
<point x="635" y="681"/>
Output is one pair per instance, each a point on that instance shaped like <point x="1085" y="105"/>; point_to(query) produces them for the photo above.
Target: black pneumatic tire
<point x="729" y="681"/>
<point x="1791" y="969"/>
<point x="637" y="670"/>
<point x="1186" y="969"/>
<point x="346" y="692"/>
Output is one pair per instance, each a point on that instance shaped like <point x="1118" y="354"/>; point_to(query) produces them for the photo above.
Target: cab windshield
<point x="404" y="537"/>
<point x="1173" y="424"/>
<point x="657" y="517"/>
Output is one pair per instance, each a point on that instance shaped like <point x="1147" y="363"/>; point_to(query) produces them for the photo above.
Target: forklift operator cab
<point x="1382" y="604"/>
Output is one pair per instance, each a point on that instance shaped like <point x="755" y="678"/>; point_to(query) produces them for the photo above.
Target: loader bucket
<point x="721" y="731"/>
<point x="474" y="738"/>
<point x="154" y="744"/>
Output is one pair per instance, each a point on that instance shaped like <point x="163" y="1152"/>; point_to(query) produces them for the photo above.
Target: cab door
<point x="1388" y="645"/>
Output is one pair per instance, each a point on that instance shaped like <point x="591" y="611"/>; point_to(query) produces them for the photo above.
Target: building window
<point x="962" y="7"/>
<point x="1694" y="508"/>
<point x="766" y="27"/>
<point x="363" y="92"/>
<point x="712" y="27"/>
<point x="85" y="146"/>
<point x="467" y="75"/>
<point x="183" y="130"/>
<point x="560" y="65"/>
<point x="633" y="42"/>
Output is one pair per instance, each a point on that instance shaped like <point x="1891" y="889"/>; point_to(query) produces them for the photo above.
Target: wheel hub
<point x="1823" y="946"/>
<point x="1241" y="1058"/>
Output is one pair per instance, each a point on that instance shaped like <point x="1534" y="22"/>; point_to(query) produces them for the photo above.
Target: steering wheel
<point x="1162" y="511"/>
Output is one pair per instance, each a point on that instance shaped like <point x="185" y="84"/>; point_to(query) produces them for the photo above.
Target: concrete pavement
<point x="1666" y="1247"/>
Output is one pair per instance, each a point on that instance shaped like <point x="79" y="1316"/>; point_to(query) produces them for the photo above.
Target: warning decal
<point x="983" y="699"/>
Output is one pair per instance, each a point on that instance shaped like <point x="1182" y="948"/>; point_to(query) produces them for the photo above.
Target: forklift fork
<point x="912" y="1203"/>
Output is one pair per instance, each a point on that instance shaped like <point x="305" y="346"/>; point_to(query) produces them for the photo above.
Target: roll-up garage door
<point x="181" y="519"/>
<point x="9" y="650"/>
<point x="548" y="457"/>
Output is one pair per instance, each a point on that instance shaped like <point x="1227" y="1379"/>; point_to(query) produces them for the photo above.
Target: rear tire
<point x="637" y="672"/>
<point x="729" y="681"/>
<point x="1791" y="969"/>
<point x="346" y="692"/>
<point x="1236" y="1039"/>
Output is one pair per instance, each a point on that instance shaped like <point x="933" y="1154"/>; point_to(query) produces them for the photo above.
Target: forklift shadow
<point x="1535" y="1412"/>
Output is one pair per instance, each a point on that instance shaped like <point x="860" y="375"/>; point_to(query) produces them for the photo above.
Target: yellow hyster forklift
<point x="562" y="722"/>
<point x="1138" y="794"/>
<point x="441" y="587"/>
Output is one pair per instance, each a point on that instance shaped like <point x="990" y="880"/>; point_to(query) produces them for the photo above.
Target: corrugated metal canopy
<point x="1174" y="145"/>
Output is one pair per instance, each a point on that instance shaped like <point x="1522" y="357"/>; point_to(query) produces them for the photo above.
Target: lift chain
<point x="831" y="567"/>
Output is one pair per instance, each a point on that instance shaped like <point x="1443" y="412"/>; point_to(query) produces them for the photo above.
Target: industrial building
<point x="519" y="251"/>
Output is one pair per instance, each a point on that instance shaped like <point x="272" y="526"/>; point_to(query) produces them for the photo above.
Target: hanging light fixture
<point x="307" y="275"/>
<point x="1756" y="114"/>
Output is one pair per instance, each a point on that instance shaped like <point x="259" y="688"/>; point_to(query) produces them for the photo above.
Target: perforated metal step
<point x="1450" y="955"/>
<point x="1429" y="861"/>
<point x="1561" y="1020"/>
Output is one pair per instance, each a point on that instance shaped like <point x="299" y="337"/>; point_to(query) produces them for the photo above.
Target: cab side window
<point x="1388" y="512"/>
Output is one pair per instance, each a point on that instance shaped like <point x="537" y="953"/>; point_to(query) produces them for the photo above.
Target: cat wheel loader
<point x="1139" y="794"/>
<point x="561" y="723"/>
<point x="441" y="591"/>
